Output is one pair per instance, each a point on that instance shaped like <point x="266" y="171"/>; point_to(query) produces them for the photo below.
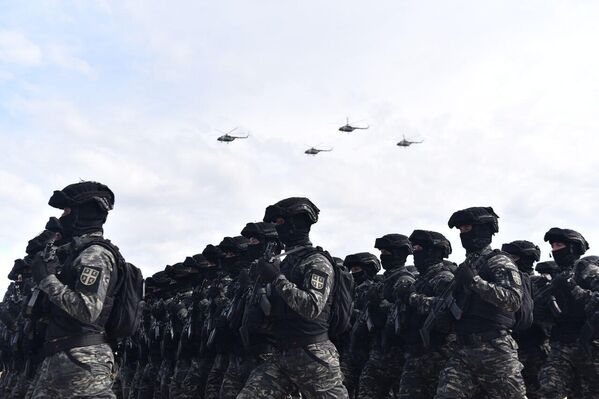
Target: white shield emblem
<point x="88" y="276"/>
<point x="516" y="277"/>
<point x="317" y="281"/>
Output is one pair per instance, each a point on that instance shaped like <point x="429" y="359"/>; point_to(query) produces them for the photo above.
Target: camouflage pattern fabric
<point x="533" y="359"/>
<point x="491" y="367"/>
<point x="215" y="377"/>
<point x="175" y="388"/>
<point x="85" y="372"/>
<point x="314" y="369"/>
<point x="238" y="373"/>
<point x="135" y="381"/>
<point x="148" y="381"/>
<point x="195" y="380"/>
<point x="420" y="375"/>
<point x="381" y="374"/>
<point x="566" y="362"/>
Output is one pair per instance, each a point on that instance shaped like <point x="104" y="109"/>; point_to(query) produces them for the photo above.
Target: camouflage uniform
<point x="81" y="371"/>
<point x="301" y="296"/>
<point x="568" y="365"/>
<point x="423" y="365"/>
<point x="485" y="361"/>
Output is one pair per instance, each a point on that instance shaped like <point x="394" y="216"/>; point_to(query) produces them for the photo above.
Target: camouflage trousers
<point x="85" y="372"/>
<point x="175" y="389"/>
<point x="163" y="379"/>
<point x="194" y="382"/>
<point x="215" y="376"/>
<point x="126" y="376"/>
<point x="19" y="389"/>
<point x="351" y="374"/>
<point x="420" y="375"/>
<point x="314" y="369"/>
<point x="135" y="380"/>
<point x="567" y="366"/>
<point x="147" y="381"/>
<point x="533" y="358"/>
<point x="491" y="367"/>
<point x="238" y="371"/>
<point x="381" y="373"/>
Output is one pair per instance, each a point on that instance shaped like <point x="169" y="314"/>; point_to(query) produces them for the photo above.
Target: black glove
<point x="244" y="279"/>
<point x="562" y="283"/>
<point x="403" y="292"/>
<point x="373" y="294"/>
<point x="268" y="271"/>
<point x="464" y="275"/>
<point x="41" y="268"/>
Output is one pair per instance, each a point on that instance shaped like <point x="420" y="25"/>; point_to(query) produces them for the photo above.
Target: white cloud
<point x="63" y="57"/>
<point x="16" y="48"/>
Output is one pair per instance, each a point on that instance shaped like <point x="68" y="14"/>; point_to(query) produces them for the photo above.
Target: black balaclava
<point x="397" y="258"/>
<point x="295" y="231"/>
<point x="83" y="219"/>
<point x="429" y="255"/>
<point x="525" y="264"/>
<point x="565" y="257"/>
<point x="359" y="277"/>
<point x="478" y="238"/>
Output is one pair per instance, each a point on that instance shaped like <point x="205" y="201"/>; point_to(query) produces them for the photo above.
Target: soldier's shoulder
<point x="97" y="255"/>
<point x="500" y="259"/>
<point x="316" y="260"/>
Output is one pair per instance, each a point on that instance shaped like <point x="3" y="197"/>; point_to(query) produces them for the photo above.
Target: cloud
<point x="16" y="48"/>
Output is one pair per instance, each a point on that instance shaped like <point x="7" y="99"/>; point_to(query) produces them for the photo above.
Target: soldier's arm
<point x="85" y="301"/>
<point x="318" y="280"/>
<point x="589" y="278"/>
<point x="506" y="290"/>
<point x="423" y="303"/>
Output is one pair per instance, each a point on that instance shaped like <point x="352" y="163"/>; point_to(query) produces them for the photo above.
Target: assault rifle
<point x="445" y="302"/>
<point x="545" y="297"/>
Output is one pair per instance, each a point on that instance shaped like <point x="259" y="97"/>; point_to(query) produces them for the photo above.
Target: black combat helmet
<point x="292" y="207"/>
<point x="77" y="194"/>
<point x="236" y="245"/>
<point x="475" y="215"/>
<point x="432" y="239"/>
<point x="365" y="260"/>
<point x="263" y="232"/>
<point x="391" y="242"/>
<point x="527" y="252"/>
<point x="547" y="267"/>
<point x="569" y="237"/>
<point x="484" y="225"/>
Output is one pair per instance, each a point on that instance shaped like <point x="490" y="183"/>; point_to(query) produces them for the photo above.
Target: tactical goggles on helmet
<point x="523" y="249"/>
<point x="567" y="236"/>
<point x="433" y="238"/>
<point x="475" y="215"/>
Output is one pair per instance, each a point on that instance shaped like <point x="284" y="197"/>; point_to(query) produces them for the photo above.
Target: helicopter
<point x="348" y="128"/>
<point x="406" y="143"/>
<point x="227" y="138"/>
<point x="314" y="150"/>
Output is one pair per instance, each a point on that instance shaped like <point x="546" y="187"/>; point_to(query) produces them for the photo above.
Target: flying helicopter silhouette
<point x="314" y="150"/>
<point x="348" y="128"/>
<point x="406" y="143"/>
<point x="227" y="137"/>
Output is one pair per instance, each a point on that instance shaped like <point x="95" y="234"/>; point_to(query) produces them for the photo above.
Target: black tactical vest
<point x="287" y="323"/>
<point x="480" y="316"/>
<point x="62" y="324"/>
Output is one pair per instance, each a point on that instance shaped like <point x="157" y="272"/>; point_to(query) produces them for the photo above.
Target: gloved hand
<point x="41" y="268"/>
<point x="373" y="294"/>
<point x="268" y="271"/>
<point x="403" y="292"/>
<point x="562" y="283"/>
<point x="244" y="279"/>
<point x="464" y="275"/>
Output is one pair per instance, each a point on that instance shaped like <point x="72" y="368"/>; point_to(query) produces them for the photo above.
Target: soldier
<point x="79" y="362"/>
<point x="533" y="345"/>
<point x="572" y="360"/>
<point x="354" y="347"/>
<point x="383" y="368"/>
<point x="423" y="364"/>
<point x="254" y="342"/>
<point x="301" y="304"/>
<point x="488" y="291"/>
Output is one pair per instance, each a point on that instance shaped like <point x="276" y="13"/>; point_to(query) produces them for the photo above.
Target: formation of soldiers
<point x="239" y="320"/>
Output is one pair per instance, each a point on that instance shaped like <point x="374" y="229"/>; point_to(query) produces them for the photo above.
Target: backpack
<point x="524" y="314"/>
<point x="127" y="293"/>
<point x="342" y="294"/>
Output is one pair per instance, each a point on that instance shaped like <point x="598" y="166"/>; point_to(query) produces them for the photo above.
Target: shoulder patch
<point x="318" y="280"/>
<point x="89" y="279"/>
<point x="516" y="278"/>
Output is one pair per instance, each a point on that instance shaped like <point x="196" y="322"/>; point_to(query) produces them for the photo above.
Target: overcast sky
<point x="130" y="93"/>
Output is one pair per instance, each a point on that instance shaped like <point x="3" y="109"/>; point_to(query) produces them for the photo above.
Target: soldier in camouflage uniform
<point x="382" y="371"/>
<point x="79" y="362"/>
<point x="488" y="291"/>
<point x="574" y="354"/>
<point x="301" y="304"/>
<point x="533" y="345"/>
<point x="363" y="266"/>
<point x="423" y="364"/>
